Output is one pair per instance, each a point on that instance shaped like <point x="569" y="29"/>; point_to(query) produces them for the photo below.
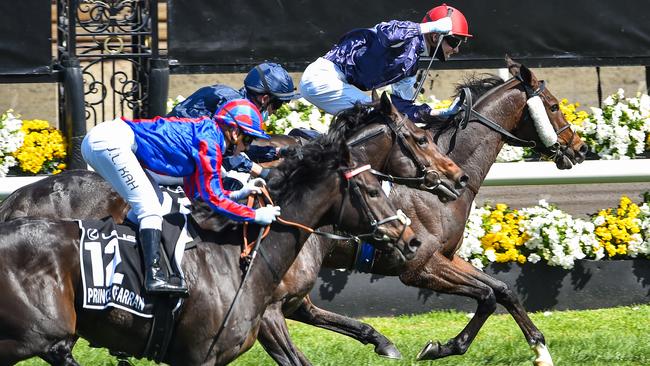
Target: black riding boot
<point x="155" y="279"/>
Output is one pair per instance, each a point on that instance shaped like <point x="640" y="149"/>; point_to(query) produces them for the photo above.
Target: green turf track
<point x="608" y="337"/>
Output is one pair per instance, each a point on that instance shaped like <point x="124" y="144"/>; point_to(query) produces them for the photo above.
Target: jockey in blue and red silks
<point x="119" y="150"/>
<point x="386" y="54"/>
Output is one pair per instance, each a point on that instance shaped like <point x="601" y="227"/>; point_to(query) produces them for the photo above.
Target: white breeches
<point x="324" y="86"/>
<point x="109" y="149"/>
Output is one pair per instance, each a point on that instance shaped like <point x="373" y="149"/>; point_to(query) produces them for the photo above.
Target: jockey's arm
<point x="242" y="163"/>
<point x="206" y="183"/>
<point x="416" y="113"/>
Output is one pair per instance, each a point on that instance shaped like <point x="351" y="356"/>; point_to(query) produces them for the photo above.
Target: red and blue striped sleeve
<point x="206" y="183"/>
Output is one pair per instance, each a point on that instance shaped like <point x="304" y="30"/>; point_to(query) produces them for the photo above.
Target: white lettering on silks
<point x="117" y="295"/>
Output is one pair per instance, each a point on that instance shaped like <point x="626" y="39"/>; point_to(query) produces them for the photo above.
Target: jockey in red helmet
<point x="386" y="54"/>
<point x="190" y="148"/>
<point x="459" y="30"/>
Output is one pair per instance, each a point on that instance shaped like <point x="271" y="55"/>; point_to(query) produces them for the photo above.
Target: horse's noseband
<point x="470" y="114"/>
<point x="375" y="224"/>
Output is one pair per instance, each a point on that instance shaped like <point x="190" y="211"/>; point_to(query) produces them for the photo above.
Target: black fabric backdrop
<point x="294" y="32"/>
<point x="25" y="37"/>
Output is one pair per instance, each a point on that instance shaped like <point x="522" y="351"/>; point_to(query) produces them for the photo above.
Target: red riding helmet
<point x="458" y="21"/>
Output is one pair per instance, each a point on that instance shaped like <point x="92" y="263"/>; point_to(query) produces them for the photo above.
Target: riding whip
<point x="426" y="72"/>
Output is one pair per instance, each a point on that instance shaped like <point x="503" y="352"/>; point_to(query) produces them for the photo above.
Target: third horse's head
<point x="403" y="152"/>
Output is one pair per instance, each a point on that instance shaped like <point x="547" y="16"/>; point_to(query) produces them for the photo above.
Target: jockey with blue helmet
<point x="190" y="148"/>
<point x="267" y="85"/>
<point x="386" y="54"/>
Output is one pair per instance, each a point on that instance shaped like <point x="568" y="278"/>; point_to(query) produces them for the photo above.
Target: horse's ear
<point x="385" y="105"/>
<point x="375" y="96"/>
<point x="526" y="75"/>
<point x="346" y="155"/>
<point x="513" y="66"/>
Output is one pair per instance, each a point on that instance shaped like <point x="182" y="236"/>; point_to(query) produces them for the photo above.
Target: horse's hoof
<point x="389" y="351"/>
<point x="430" y="352"/>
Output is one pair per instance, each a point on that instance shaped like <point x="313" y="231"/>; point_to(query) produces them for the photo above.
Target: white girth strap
<point x="542" y="124"/>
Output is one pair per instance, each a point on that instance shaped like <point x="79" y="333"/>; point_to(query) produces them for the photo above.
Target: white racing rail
<point x="503" y="174"/>
<point x="590" y="171"/>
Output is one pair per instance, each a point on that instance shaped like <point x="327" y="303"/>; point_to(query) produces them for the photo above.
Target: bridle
<point x="352" y="188"/>
<point x="469" y="114"/>
<point x="348" y="184"/>
<point x="425" y="174"/>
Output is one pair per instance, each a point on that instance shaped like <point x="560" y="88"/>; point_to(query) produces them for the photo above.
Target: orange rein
<point x="261" y="200"/>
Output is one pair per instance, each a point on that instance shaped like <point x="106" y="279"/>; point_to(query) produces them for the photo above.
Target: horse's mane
<point x="307" y="165"/>
<point x="314" y="161"/>
<point x="478" y="85"/>
<point x="349" y="120"/>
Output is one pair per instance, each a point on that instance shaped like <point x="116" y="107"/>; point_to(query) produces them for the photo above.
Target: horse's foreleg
<point x="510" y="301"/>
<point x="445" y="276"/>
<point x="274" y="337"/>
<point x="309" y="313"/>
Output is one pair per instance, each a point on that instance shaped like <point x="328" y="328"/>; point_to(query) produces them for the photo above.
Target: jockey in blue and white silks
<point x="178" y="147"/>
<point x="267" y="85"/>
<point x="386" y="54"/>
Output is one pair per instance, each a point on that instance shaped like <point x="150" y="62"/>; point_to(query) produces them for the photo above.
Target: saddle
<point x="112" y="272"/>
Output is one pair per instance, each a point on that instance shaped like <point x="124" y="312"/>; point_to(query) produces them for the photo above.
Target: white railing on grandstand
<point x="503" y="174"/>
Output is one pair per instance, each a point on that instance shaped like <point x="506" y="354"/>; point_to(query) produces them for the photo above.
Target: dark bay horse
<point x="40" y="312"/>
<point x="56" y="189"/>
<point x="85" y="195"/>
<point x="440" y="226"/>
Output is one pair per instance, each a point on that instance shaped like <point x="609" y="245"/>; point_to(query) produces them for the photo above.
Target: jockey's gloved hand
<point x="452" y="110"/>
<point x="440" y="26"/>
<point x="253" y="186"/>
<point x="266" y="215"/>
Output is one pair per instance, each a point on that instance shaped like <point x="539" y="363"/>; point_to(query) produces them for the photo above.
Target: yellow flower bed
<point x="618" y="227"/>
<point x="503" y="236"/>
<point x="571" y="112"/>
<point x="44" y="149"/>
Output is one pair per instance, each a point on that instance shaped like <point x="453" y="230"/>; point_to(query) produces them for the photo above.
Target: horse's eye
<point x="555" y="108"/>
<point x="422" y="140"/>
<point x="373" y="193"/>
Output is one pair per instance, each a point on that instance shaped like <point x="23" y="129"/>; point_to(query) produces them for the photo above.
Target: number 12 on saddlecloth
<point x="105" y="276"/>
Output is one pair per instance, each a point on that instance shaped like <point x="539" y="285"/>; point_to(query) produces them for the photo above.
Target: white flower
<point x="11" y="139"/>
<point x="491" y="255"/>
<point x="619" y="130"/>
<point x="510" y="153"/>
<point x="534" y="258"/>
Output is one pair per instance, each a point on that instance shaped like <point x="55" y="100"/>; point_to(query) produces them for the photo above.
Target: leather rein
<point x="352" y="186"/>
<point x="469" y="114"/>
<point x="427" y="174"/>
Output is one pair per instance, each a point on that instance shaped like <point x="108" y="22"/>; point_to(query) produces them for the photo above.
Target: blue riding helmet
<point x="271" y="78"/>
<point x="243" y="114"/>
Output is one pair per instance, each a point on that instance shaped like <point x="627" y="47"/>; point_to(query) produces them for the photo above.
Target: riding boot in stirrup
<point x="155" y="279"/>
